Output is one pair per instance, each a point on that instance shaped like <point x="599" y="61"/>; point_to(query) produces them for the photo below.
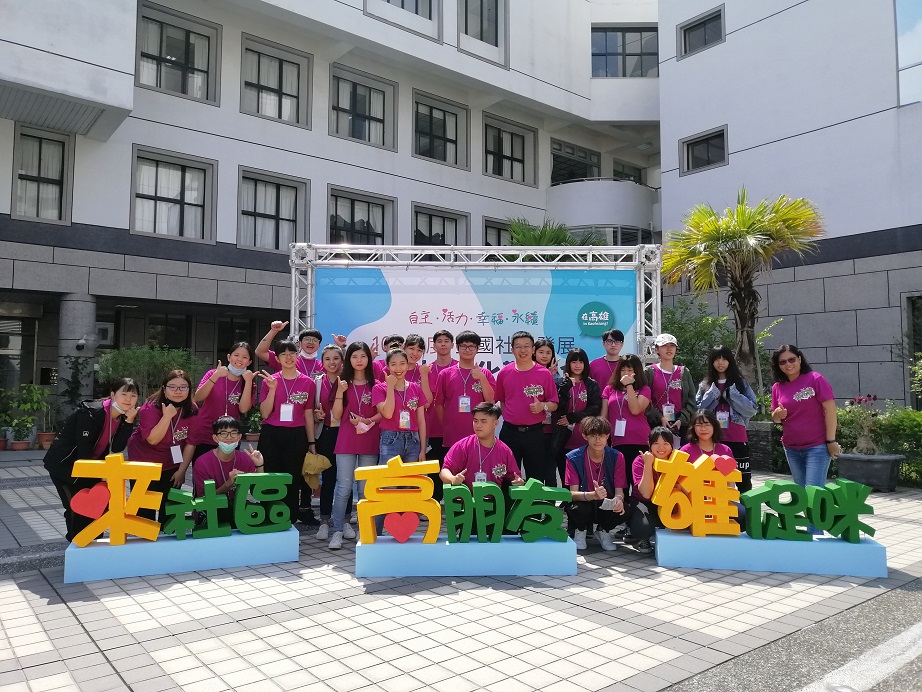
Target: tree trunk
<point x="744" y="303"/>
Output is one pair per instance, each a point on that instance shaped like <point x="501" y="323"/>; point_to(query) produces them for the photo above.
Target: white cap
<point x="664" y="339"/>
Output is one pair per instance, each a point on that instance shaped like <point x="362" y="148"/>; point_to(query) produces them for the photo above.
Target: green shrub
<point x="148" y="366"/>
<point x="899" y="431"/>
<point x="697" y="332"/>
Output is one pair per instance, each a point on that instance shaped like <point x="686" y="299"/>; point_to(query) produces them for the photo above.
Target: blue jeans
<point x="402" y="443"/>
<point x="345" y="478"/>
<point x="808" y="466"/>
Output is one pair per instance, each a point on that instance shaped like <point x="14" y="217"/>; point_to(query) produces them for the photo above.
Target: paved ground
<point x="621" y="623"/>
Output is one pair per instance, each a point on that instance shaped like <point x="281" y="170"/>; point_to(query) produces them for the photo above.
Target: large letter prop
<point x="384" y="496"/>
<point x="697" y="495"/>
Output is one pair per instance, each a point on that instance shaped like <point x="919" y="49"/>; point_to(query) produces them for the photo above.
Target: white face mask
<point x="116" y="406"/>
<point x="305" y="354"/>
<point x="236" y="371"/>
<point x="227" y="447"/>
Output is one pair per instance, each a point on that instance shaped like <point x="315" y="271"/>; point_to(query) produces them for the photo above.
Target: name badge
<point x="669" y="412"/>
<point x="620" y="427"/>
<point x="287" y="413"/>
<point x="404" y="420"/>
<point x="176" y="453"/>
<point x="480" y="477"/>
<point x="464" y="404"/>
<point x="723" y="417"/>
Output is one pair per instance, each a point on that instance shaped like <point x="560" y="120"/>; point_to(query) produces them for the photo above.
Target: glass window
<point x="480" y="20"/>
<point x="704" y="151"/>
<point x="496" y="234"/>
<point x="435" y="229"/>
<point x="571" y="162"/>
<point x="40" y="188"/>
<point x="625" y="52"/>
<point x="625" y="171"/>
<point x="702" y="32"/>
<point x="271" y="86"/>
<point x="421" y="7"/>
<point x="358" y="111"/>
<point x="436" y="133"/>
<point x="170" y="199"/>
<point x="505" y="153"/>
<point x="356" y="221"/>
<point x="174" y="58"/>
<point x="268" y="214"/>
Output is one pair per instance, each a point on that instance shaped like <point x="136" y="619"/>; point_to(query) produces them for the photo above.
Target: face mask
<point x="116" y="406"/>
<point x="236" y="371"/>
<point x="305" y="354"/>
<point x="227" y="447"/>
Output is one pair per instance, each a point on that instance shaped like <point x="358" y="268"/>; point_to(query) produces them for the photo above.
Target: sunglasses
<point x="787" y="361"/>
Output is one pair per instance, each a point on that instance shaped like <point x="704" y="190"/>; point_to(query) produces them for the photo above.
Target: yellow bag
<point x="313" y="465"/>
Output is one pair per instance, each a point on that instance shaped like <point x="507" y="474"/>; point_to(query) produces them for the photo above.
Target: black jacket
<point x="593" y="400"/>
<point x="78" y="437"/>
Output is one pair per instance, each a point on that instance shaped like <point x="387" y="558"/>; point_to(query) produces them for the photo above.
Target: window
<point x="571" y="162"/>
<point x="509" y="150"/>
<point x="172" y="195"/>
<point x="276" y="82"/>
<point x="441" y="130"/>
<point x="421" y="7"/>
<point x="625" y="171"/>
<point x="496" y="233"/>
<point x="703" y="151"/>
<point x="625" y="52"/>
<point x="614" y="235"/>
<point x="43" y="175"/>
<point x="480" y="20"/>
<point x="273" y="210"/>
<point x="701" y="32"/>
<point x="436" y="227"/>
<point x="363" y="108"/>
<point x="178" y="53"/>
<point x="357" y="219"/>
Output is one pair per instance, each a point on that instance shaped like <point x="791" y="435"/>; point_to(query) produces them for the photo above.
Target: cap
<point x="664" y="339"/>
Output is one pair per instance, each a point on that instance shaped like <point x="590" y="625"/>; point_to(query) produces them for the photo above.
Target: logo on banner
<point x="595" y="319"/>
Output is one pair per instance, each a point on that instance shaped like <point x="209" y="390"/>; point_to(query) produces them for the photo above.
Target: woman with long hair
<point x="327" y="387"/>
<point x="579" y="398"/>
<point x="624" y="402"/>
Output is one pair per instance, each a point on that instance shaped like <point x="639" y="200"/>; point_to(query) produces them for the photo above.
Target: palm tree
<point x="736" y="248"/>
<point x="550" y="233"/>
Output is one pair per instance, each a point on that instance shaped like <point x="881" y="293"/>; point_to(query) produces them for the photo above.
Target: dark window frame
<point x="705" y="20"/>
<point x="624" y="54"/>
<point x="501" y="228"/>
<point x="707" y="138"/>
<point x="61" y="182"/>
<point x="432" y="136"/>
<point x="482" y="17"/>
<point x="430" y="214"/>
<point x="280" y="90"/>
<point x="340" y="231"/>
<point x="184" y="67"/>
<point x="182" y="203"/>
<point x="499" y="157"/>
<point x="277" y="218"/>
<point x="403" y="4"/>
<point x="625" y="175"/>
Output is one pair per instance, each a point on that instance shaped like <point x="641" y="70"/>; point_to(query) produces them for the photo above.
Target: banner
<point x="572" y="307"/>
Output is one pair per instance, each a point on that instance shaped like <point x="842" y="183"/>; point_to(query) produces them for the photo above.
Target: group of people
<point x="597" y="426"/>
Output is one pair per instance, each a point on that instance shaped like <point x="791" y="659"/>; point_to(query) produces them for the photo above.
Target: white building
<point x="157" y="158"/>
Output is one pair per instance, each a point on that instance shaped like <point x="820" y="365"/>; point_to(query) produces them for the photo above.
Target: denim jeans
<point x="402" y="443"/>
<point x="808" y="466"/>
<point x="345" y="478"/>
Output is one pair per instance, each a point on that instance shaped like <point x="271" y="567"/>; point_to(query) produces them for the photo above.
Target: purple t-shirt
<point x="601" y="370"/>
<point x="409" y="400"/>
<point x="357" y="400"/>
<point x="694" y="451"/>
<point x="636" y="427"/>
<point x="517" y="389"/>
<point x="306" y="366"/>
<point x="468" y="454"/>
<point x="433" y="424"/>
<point x="222" y="400"/>
<point x="637" y="475"/>
<point x="578" y="400"/>
<point x="454" y="383"/>
<point x="594" y="472"/>
<point x="667" y="389"/>
<point x="299" y="392"/>
<point x="209" y="468"/>
<point x="805" y="425"/>
<point x="139" y="449"/>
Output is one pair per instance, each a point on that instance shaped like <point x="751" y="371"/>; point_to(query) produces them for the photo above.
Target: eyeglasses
<point x="227" y="435"/>
<point x="310" y="340"/>
<point x="611" y="342"/>
<point x="175" y="388"/>
<point x="787" y="361"/>
<point x="466" y="347"/>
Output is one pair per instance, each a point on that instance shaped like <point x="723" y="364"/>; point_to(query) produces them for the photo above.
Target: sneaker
<point x="306" y="517"/>
<point x="644" y="547"/>
<point x="620" y="532"/>
<point x="348" y="532"/>
<point x="323" y="533"/>
<point x="337" y="541"/>
<point x="580" y="538"/>
<point x="605" y="540"/>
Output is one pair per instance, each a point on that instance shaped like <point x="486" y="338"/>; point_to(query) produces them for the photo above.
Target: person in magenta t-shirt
<point x="402" y="406"/>
<point x="459" y="389"/>
<point x="643" y="517"/>
<point x="442" y="342"/>
<point x="527" y="393"/>
<point x="388" y="343"/>
<point x="308" y="345"/>
<point x="601" y="369"/>
<point x="162" y="435"/>
<point x="625" y="400"/>
<point x="579" y="397"/>
<point x="803" y="403"/>
<point x="226" y="390"/>
<point x="672" y="390"/>
<point x="324" y="398"/>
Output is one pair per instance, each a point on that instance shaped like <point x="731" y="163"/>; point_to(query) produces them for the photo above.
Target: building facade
<point x="157" y="158"/>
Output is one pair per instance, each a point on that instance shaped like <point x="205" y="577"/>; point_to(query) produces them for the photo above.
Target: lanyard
<point x="665" y="396"/>
<point x="409" y="376"/>
<point x="464" y="380"/>
<point x="574" y="394"/>
<point x="480" y="453"/>
<point x="359" y="398"/>
<point x="406" y="388"/>
<point x="228" y="395"/>
<point x="221" y="466"/>
<point x="173" y="423"/>
<point x="620" y="402"/>
<point x="589" y="463"/>
<point x="288" y="392"/>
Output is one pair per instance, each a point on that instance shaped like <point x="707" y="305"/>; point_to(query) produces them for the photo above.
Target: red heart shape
<point x="91" y="502"/>
<point x="401" y="526"/>
<point x="726" y="465"/>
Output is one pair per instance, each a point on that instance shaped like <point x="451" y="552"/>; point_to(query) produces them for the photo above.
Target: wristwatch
<point x="545" y="408"/>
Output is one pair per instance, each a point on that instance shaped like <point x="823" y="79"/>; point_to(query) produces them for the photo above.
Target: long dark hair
<point x="704" y="414"/>
<point x="631" y="361"/>
<point x="733" y="375"/>
<point x="186" y="408"/>
<point x="349" y="372"/>
<point x="243" y="345"/>
<point x="580" y="355"/>
<point x="776" y="355"/>
<point x="540" y="343"/>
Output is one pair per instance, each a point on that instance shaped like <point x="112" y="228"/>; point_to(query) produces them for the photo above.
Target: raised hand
<point x="220" y="371"/>
<point x="458" y="478"/>
<point x="517" y="480"/>
<point x="278" y="326"/>
<point x="339" y="340"/>
<point x="648" y="457"/>
<point x="255" y="455"/>
<point x="271" y="382"/>
<point x="342" y="386"/>
<point x="477" y="373"/>
<point x="424" y="371"/>
<point x="600" y="492"/>
<point x="248" y="376"/>
<point x="131" y="414"/>
<point x="391" y="380"/>
<point x="169" y="411"/>
<point x="536" y="406"/>
<point x="627" y="379"/>
<point x="780" y="413"/>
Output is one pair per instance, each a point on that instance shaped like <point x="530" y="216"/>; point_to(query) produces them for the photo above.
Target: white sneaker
<point x="337" y="541"/>
<point x="580" y="538"/>
<point x="348" y="532"/>
<point x="605" y="540"/>
<point x="323" y="532"/>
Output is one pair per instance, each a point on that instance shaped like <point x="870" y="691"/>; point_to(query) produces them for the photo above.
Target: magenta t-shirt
<point x="601" y="370"/>
<point x="299" y="392"/>
<point x="327" y="395"/>
<point x="223" y="399"/>
<point x="433" y="424"/>
<point x="108" y="431"/>
<point x="306" y="366"/>
<point x="636" y="427"/>
<point x="637" y="475"/>
<point x="357" y="400"/>
<point x="734" y="432"/>
<point x="663" y="383"/>
<point x="594" y="472"/>
<point x="139" y="449"/>
<point x="410" y="399"/>
<point x="453" y="383"/>
<point x="518" y="389"/>
<point x="209" y="468"/>
<point x="805" y="425"/>
<point x="578" y="400"/>
<point x="468" y="454"/>
<point x="380" y="369"/>
<point x="694" y="451"/>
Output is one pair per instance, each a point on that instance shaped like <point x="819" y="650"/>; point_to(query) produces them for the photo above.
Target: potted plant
<point x="32" y="401"/>
<point x="254" y="422"/>
<point x="866" y="459"/>
<point x="22" y="430"/>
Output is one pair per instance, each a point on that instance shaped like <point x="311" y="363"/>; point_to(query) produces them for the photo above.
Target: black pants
<point x="67" y="488"/>
<point x="643" y="519"/>
<point x="741" y="454"/>
<point x="630" y="452"/>
<point x="529" y="447"/>
<point x="283" y="451"/>
<point x="325" y="446"/>
<point x="581" y="516"/>
<point x="164" y="485"/>
<point x="437" y="452"/>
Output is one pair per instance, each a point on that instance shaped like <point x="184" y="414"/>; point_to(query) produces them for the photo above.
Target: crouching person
<point x="644" y="515"/>
<point x="596" y="478"/>
<point x="222" y="465"/>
